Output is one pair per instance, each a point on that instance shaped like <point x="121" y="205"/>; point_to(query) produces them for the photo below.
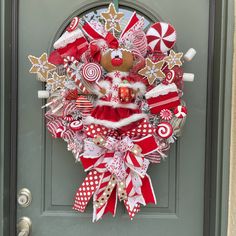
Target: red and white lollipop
<point x="161" y="37"/>
<point x="73" y="24"/>
<point x="164" y="130"/>
<point x="180" y="111"/>
<point x="91" y="72"/>
<point x="76" y="125"/>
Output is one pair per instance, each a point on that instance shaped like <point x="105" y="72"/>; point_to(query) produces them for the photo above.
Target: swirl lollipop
<point x="164" y="130"/>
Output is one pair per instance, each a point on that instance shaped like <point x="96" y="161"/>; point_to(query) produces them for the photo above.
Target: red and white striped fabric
<point x="69" y="108"/>
<point x="161" y="37"/>
<point x="162" y="97"/>
<point x="99" y="211"/>
<point x="133" y="160"/>
<point x="103" y="184"/>
<point x="133" y="20"/>
<point x="140" y="42"/>
<point x="130" y="188"/>
<point x="154" y="157"/>
<point x="54" y="125"/>
<point x="101" y="164"/>
<point x="68" y="134"/>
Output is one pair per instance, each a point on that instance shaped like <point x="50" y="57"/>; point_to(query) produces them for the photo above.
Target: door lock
<point x="24" y="197"/>
<point x="24" y="226"/>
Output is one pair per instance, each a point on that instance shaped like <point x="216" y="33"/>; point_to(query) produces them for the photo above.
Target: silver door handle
<point x="24" y="226"/>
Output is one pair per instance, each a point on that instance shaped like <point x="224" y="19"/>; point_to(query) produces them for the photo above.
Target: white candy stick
<point x="188" y="77"/>
<point x="43" y="94"/>
<point x="189" y="55"/>
<point x="47" y="104"/>
<point x="57" y="108"/>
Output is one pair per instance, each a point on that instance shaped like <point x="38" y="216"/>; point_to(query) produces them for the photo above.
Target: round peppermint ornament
<point x="84" y="105"/>
<point x="161" y="37"/>
<point x="180" y="111"/>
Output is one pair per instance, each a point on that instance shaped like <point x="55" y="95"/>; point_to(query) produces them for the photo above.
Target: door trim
<point x="218" y="116"/>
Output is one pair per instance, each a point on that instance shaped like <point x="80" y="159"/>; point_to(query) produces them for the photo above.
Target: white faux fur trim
<point x="116" y="105"/>
<point x="105" y="84"/>
<point x="68" y="37"/>
<point x="161" y="89"/>
<point x="115" y="125"/>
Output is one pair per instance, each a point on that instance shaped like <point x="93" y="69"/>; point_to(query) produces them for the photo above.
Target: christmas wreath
<point x="115" y="96"/>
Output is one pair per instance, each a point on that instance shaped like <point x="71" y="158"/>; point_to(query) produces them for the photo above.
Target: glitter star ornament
<point x="41" y="66"/>
<point x="152" y="71"/>
<point x="112" y="18"/>
<point x="174" y="59"/>
<point x="56" y="82"/>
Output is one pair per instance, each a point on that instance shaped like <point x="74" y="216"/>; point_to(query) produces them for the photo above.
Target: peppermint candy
<point x="91" y="72"/>
<point x="164" y="130"/>
<point x="165" y="114"/>
<point x="76" y="125"/>
<point x="180" y="111"/>
<point x="68" y="118"/>
<point x="161" y="37"/>
<point x="84" y="105"/>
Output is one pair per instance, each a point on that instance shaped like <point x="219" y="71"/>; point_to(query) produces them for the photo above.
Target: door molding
<point x="218" y="116"/>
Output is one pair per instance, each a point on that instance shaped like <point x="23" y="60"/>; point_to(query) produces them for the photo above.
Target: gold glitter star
<point x="56" y="82"/>
<point x="112" y="18"/>
<point x="174" y="59"/>
<point x="152" y="71"/>
<point x="41" y="66"/>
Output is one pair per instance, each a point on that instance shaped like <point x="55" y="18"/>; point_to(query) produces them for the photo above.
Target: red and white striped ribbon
<point x="54" y="125"/>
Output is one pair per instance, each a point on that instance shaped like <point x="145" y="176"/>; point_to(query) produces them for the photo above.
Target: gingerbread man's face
<point x="117" y="60"/>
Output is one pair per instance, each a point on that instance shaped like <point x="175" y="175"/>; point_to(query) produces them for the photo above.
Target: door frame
<point x="218" y="116"/>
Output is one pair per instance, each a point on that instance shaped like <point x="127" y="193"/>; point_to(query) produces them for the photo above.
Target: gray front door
<point x="48" y="170"/>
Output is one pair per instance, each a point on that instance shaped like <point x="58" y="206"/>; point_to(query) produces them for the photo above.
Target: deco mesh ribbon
<point x="117" y="102"/>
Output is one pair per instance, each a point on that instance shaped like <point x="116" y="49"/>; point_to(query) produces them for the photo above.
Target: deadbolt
<point x="24" y="226"/>
<point x="24" y="197"/>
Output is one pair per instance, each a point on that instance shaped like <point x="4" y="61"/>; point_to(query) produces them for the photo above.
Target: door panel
<point x="48" y="169"/>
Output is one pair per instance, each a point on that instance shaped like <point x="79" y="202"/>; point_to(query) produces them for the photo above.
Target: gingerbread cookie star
<point x="112" y="18"/>
<point x="152" y="71"/>
<point x="41" y="66"/>
<point x="174" y="59"/>
<point x="56" y="82"/>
